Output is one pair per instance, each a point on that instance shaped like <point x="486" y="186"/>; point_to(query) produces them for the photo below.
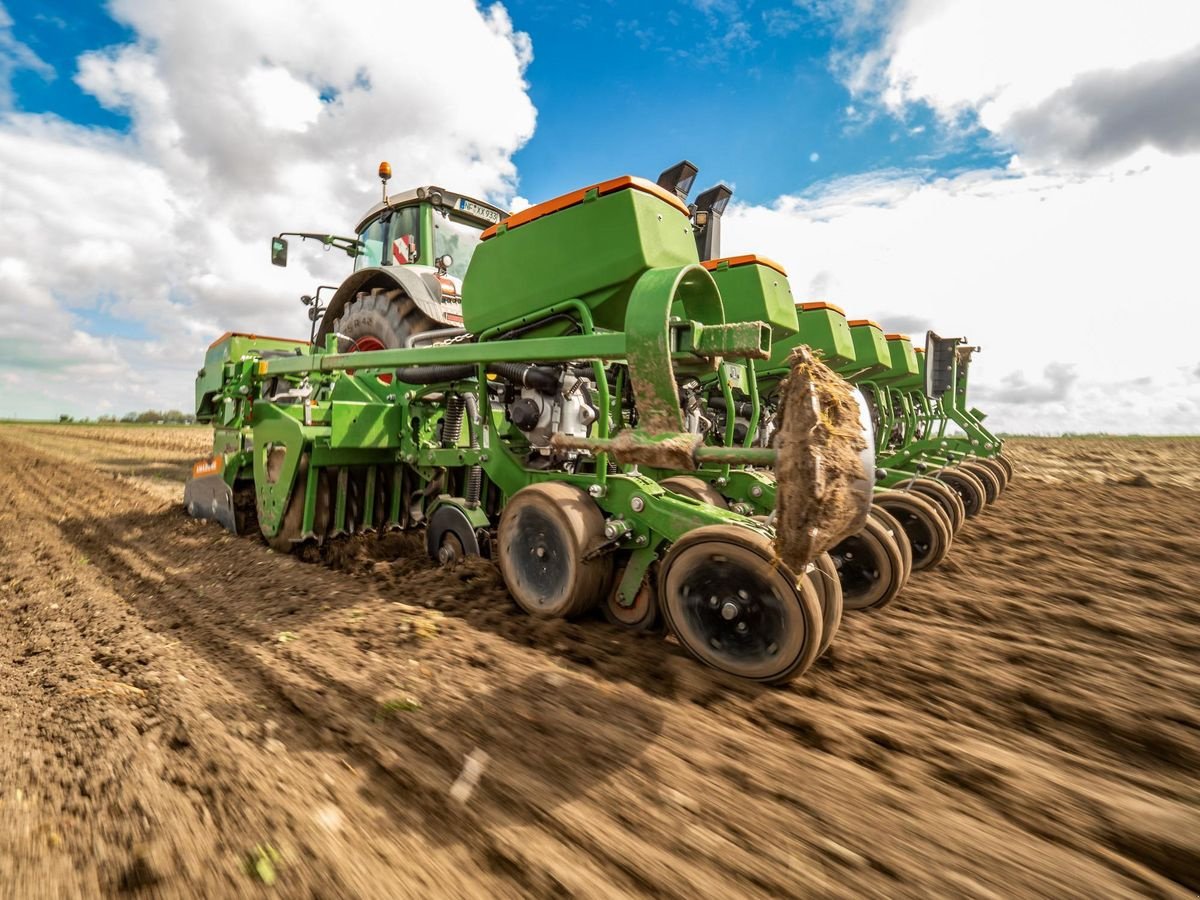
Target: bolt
<point x="637" y="504"/>
<point x="729" y="610"/>
<point x="540" y="552"/>
<point x="641" y="540"/>
<point x="595" y="490"/>
<point x="721" y="482"/>
<point x="756" y="491"/>
<point x="741" y="627"/>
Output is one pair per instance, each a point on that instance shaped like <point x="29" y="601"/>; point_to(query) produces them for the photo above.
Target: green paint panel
<point x="902" y="362"/>
<point x="371" y="426"/>
<point x="592" y="251"/>
<point x="871" y="352"/>
<point x="753" y="292"/>
<point x="825" y="330"/>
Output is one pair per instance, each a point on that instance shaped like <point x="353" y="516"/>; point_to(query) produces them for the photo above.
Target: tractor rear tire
<point x="379" y="319"/>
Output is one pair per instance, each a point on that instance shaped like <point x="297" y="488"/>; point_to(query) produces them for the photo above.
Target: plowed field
<point x="187" y="714"/>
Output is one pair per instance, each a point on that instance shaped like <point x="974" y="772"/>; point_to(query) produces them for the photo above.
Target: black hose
<point x="542" y="378"/>
<point x="434" y="374"/>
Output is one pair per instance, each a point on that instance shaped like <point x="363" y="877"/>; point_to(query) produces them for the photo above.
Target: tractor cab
<point x="426" y="226"/>
<point x="410" y="253"/>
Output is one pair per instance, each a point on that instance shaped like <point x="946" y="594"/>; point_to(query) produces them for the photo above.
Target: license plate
<point x="481" y="212"/>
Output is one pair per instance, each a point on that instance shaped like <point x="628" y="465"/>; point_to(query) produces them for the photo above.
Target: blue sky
<point x="971" y="167"/>
<point x="747" y="91"/>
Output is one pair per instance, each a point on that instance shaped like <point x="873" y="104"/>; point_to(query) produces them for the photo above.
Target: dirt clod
<point x="821" y="495"/>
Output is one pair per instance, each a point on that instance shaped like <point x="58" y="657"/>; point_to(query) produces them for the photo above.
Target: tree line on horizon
<point x="145" y="417"/>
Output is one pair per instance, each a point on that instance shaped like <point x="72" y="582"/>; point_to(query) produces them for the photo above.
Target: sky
<point x="1023" y="173"/>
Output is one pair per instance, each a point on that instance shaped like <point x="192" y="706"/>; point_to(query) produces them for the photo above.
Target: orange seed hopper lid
<point x="525" y="216"/>
<point x="807" y="307"/>
<point x="746" y="260"/>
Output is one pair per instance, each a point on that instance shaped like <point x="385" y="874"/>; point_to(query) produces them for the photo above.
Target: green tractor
<point x="516" y="412"/>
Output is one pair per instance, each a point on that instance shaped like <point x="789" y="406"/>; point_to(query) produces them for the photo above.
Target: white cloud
<point x="1043" y="270"/>
<point x="247" y="119"/>
<point x="995" y="61"/>
<point x="814" y="157"/>
<point x="1073" y="266"/>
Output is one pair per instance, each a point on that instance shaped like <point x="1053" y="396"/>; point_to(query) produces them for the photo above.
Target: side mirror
<point x="278" y="251"/>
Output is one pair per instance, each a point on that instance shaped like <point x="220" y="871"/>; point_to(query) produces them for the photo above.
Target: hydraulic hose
<point x="542" y="378"/>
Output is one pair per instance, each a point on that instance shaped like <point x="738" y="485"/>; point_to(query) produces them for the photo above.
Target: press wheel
<point x="1007" y="464"/>
<point x="988" y="478"/>
<point x="996" y="469"/>
<point x="735" y="607"/>
<point x="897" y="533"/>
<point x="543" y="539"/>
<point x="695" y="488"/>
<point x="926" y="525"/>
<point x="828" y="587"/>
<point x="969" y="488"/>
<point x="942" y="495"/>
<point x="870" y="566"/>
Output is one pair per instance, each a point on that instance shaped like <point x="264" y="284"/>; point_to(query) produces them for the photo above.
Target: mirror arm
<point x="352" y="246"/>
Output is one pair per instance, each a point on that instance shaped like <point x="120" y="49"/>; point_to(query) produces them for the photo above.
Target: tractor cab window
<point x="373" y="237"/>
<point x="391" y="240"/>
<point x="455" y="236"/>
<point x="406" y="226"/>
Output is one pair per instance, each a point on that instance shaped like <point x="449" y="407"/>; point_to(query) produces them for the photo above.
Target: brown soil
<point x="178" y="703"/>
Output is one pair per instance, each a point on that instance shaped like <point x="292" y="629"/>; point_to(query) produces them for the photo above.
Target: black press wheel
<point x="735" y="607"/>
<point x="969" y="489"/>
<point x="940" y="494"/>
<point x="870" y="566"/>
<point x="828" y="587"/>
<point x="995" y="468"/>
<point x="926" y="525"/>
<point x="543" y="539"/>
<point x="897" y="533"/>
<point x="989" y="480"/>
<point x="1006" y="463"/>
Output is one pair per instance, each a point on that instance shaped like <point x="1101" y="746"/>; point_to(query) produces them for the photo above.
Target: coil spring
<point x="452" y="421"/>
